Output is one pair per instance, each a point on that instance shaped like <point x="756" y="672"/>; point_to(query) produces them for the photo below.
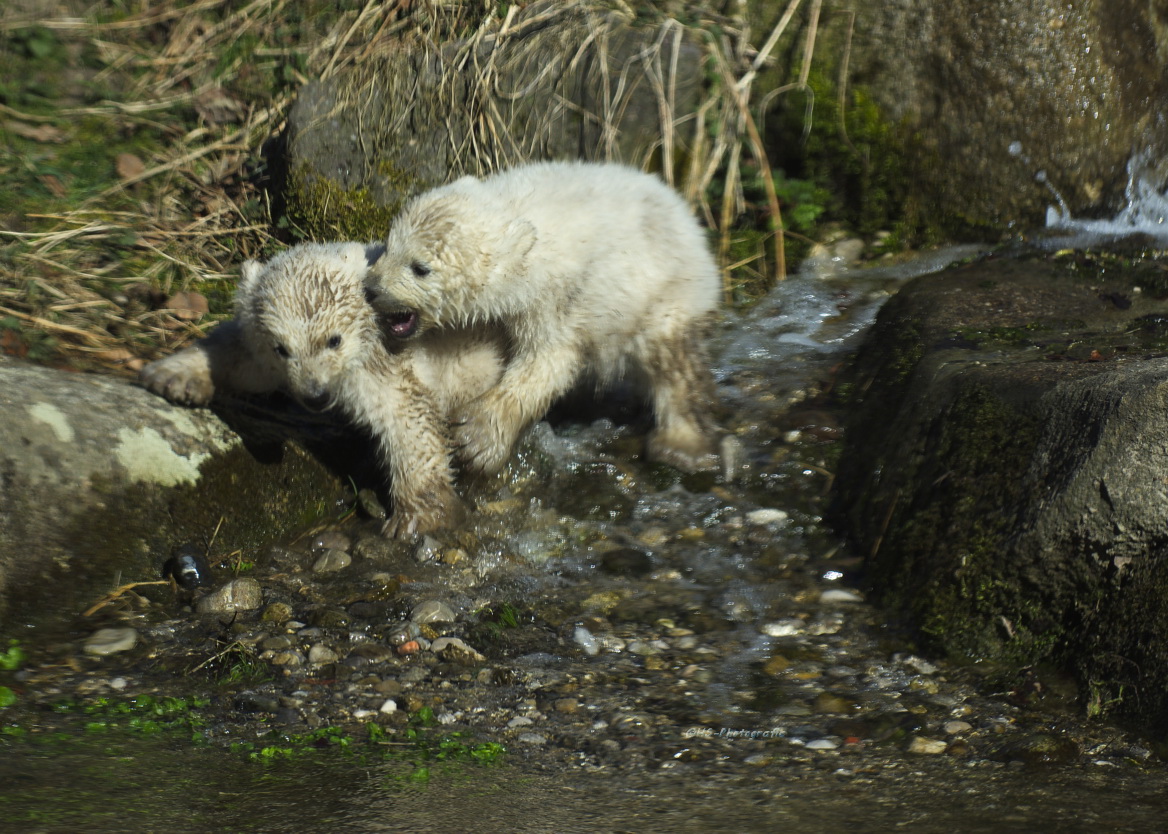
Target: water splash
<point x="1145" y="211"/>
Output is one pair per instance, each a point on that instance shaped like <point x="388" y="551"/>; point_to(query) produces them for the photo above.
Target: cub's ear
<point x="509" y="255"/>
<point x="249" y="279"/>
<point x="351" y="252"/>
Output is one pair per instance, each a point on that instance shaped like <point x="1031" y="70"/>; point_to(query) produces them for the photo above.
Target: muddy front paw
<point x="689" y="450"/>
<point x="416" y="519"/>
<point x="184" y="378"/>
<point x="484" y="436"/>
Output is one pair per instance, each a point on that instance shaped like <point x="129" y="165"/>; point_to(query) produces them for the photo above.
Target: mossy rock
<point x="361" y="142"/>
<point x="1004" y="466"/>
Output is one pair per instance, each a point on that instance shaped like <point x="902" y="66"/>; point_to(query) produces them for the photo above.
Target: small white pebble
<point x="388" y="707"/>
<point x="783" y="628"/>
<point x="838" y="595"/>
<point x="823" y="744"/>
<point x="767" y="515"/>
<point x="928" y="746"/>
<point x="584" y="639"/>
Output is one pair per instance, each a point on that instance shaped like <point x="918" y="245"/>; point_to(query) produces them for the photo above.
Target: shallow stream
<point x="654" y="652"/>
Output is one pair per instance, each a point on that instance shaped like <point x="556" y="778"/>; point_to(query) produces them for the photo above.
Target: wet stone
<point x="278" y="643"/>
<point x="626" y="561"/>
<point x="277" y="612"/>
<point x="836" y="596"/>
<point x="330" y="540"/>
<point x="927" y="746"/>
<point x="107" y="641"/>
<point x="329" y="618"/>
<point x="433" y="611"/>
<point x="456" y="650"/>
<point x="369" y="503"/>
<point x="237" y="595"/>
<point x="372" y="652"/>
<point x="331" y="560"/>
<point x="320" y="654"/>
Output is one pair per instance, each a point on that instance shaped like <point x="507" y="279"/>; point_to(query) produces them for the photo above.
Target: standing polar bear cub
<point x="302" y="325"/>
<point x="591" y="268"/>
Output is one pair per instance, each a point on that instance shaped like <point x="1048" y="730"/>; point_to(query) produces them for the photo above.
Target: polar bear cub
<point x="302" y="325"/>
<point x="594" y="269"/>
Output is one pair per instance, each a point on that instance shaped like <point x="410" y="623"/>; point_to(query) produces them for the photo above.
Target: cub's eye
<point x="334" y="342"/>
<point x="419" y="269"/>
<point x="282" y="352"/>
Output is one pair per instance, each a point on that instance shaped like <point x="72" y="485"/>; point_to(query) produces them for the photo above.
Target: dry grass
<point x="85" y="279"/>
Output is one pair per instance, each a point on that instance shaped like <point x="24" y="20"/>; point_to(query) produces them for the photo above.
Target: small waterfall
<point x="1145" y="211"/>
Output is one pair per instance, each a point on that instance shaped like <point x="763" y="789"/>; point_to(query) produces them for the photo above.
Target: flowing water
<point x="663" y="654"/>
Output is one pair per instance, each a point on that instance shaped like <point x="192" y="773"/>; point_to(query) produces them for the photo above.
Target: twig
<point x="117" y="592"/>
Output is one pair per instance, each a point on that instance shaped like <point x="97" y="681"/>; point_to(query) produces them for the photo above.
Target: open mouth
<point x="403" y="323"/>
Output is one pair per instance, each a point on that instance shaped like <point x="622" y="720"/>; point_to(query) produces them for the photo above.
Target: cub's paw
<point x="408" y="521"/>
<point x="183" y="378"/>
<point x="689" y="450"/>
<point x="482" y="444"/>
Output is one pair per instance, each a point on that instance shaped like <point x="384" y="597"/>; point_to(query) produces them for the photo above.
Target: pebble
<point x="625" y="561"/>
<point x="429" y="549"/>
<point x="956" y="727"/>
<point x="455" y="650"/>
<point x="928" y="746"/>
<point x="783" y="628"/>
<point x="388" y="706"/>
<point x="277" y="612"/>
<point x="534" y="739"/>
<point x="767" y="515"/>
<point x="433" y="611"/>
<point x="370" y="504"/>
<point x="330" y="540"/>
<point x="584" y="639"/>
<point x="822" y="744"/>
<point x="320" y="654"/>
<point x="519" y="721"/>
<point x="107" y="641"/>
<point x="237" y="595"/>
<point x="290" y="659"/>
<point x="331" y="560"/>
<point x="838" y="595"/>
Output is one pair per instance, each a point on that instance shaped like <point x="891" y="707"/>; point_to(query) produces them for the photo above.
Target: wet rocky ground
<point x="604" y="618"/>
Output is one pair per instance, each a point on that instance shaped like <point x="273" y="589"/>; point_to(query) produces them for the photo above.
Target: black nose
<point x="315" y="402"/>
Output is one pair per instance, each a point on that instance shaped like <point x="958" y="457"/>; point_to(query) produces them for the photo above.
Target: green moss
<point x="320" y="209"/>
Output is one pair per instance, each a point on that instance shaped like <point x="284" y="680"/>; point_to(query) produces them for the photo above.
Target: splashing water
<point x="1145" y="211"/>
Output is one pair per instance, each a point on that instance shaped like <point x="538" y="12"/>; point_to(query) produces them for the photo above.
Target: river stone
<point x="433" y="611"/>
<point x="1004" y="464"/>
<point x="242" y="594"/>
<point x="396" y="124"/>
<point x="927" y="746"/>
<point x="321" y="654"/>
<point x="455" y="650"/>
<point x="277" y="612"/>
<point x="1051" y="94"/>
<point x="331" y="560"/>
<point x="107" y="641"/>
<point x="159" y="466"/>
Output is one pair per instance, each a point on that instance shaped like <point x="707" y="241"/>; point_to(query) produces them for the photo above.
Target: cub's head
<point x="305" y="312"/>
<point x="445" y="255"/>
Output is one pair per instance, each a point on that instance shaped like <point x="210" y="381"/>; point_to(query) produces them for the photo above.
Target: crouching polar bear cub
<point x="591" y="268"/>
<point x="302" y="325"/>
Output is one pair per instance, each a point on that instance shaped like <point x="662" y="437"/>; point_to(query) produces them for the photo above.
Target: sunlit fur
<point x="302" y="325"/>
<point x="592" y="268"/>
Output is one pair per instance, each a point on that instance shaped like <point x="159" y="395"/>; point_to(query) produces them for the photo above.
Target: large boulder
<point x="100" y="480"/>
<point x="1006" y="468"/>
<point x="989" y="111"/>
<point x="557" y="80"/>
